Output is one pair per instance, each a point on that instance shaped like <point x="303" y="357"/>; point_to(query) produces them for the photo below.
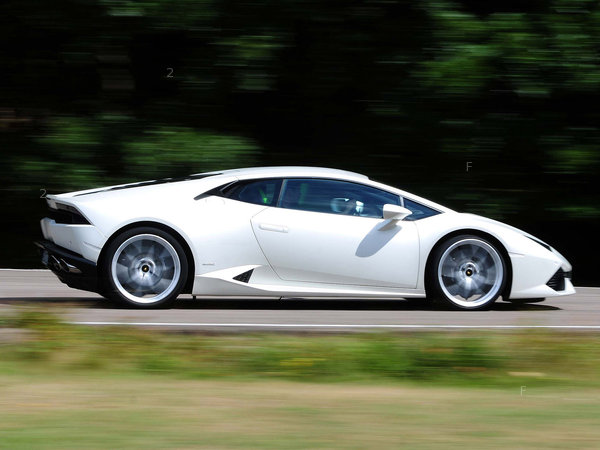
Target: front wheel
<point x="145" y="267"/>
<point x="468" y="272"/>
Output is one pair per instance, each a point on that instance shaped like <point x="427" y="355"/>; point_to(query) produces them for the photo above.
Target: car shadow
<point x="508" y="306"/>
<point x="301" y="304"/>
<point x="340" y="304"/>
<point x="186" y="302"/>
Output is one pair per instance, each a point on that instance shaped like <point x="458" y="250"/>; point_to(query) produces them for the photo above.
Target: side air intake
<point x="244" y="277"/>
<point x="557" y="282"/>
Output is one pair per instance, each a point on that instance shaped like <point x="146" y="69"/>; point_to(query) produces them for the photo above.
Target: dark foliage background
<point x="96" y="92"/>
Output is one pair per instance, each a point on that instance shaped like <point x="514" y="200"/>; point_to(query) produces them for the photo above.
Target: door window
<point x="418" y="211"/>
<point x="335" y="197"/>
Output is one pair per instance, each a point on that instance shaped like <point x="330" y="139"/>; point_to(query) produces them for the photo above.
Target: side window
<point x="418" y="211"/>
<point x="335" y="197"/>
<point x="259" y="192"/>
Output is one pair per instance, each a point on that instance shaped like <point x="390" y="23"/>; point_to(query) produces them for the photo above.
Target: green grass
<point x="66" y="386"/>
<point x="472" y="358"/>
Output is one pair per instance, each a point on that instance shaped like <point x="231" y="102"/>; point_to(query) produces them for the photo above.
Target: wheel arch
<point x="472" y="231"/>
<point x="161" y="226"/>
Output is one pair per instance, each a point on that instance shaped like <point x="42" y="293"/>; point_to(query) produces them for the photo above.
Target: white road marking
<point x="332" y="325"/>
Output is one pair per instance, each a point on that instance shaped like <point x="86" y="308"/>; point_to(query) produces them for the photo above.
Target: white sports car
<point x="289" y="232"/>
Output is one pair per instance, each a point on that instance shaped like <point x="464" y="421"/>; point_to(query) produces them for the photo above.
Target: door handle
<point x="272" y="227"/>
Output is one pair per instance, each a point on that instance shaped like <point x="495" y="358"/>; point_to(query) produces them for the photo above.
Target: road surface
<point x="40" y="288"/>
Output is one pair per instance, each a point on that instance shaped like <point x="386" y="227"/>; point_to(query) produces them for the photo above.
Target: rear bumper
<point x="70" y="268"/>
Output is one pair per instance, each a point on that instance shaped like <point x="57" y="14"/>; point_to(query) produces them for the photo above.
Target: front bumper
<point x="69" y="267"/>
<point x="540" y="277"/>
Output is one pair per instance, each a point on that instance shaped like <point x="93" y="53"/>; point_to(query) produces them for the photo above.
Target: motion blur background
<point x="99" y="92"/>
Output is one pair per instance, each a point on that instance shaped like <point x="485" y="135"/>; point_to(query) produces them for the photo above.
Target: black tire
<point x="144" y="267"/>
<point x="523" y="301"/>
<point x="467" y="272"/>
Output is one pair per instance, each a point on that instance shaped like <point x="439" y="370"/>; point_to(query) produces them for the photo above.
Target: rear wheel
<point x="468" y="272"/>
<point x="145" y="267"/>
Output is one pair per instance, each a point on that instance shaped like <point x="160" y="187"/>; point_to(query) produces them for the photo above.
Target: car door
<point x="332" y="231"/>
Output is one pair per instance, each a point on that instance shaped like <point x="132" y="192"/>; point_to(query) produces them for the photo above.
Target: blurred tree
<point x="180" y="151"/>
<point x="103" y="91"/>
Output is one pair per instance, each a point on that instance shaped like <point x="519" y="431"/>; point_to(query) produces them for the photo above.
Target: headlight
<point x="543" y="244"/>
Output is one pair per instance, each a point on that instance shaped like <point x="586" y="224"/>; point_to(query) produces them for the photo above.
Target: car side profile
<point x="289" y="232"/>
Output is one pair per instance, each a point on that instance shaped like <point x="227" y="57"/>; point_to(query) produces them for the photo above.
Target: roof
<point x="244" y="173"/>
<point x="286" y="171"/>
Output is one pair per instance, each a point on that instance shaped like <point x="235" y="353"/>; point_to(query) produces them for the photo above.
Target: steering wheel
<point x="350" y="208"/>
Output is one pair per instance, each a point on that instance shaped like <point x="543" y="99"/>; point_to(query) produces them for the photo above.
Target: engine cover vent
<point x="244" y="277"/>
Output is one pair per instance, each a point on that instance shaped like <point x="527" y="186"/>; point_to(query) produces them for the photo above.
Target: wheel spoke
<point x="153" y="278"/>
<point x="480" y="254"/>
<point x="161" y="286"/>
<point x="448" y="268"/>
<point x="125" y="258"/>
<point x="163" y="253"/>
<point x="472" y="252"/>
<point x="448" y="280"/>
<point x="468" y="290"/>
<point x="138" y="290"/>
<point x="461" y="253"/>
<point x="153" y="250"/>
<point x="167" y="261"/>
<point x="129" y="284"/>
<point x="485" y="287"/>
<point x="137" y="247"/>
<point x="475" y="287"/>
<point x="463" y="292"/>
<point x="451" y="285"/>
<point x="487" y="261"/>
<point x="122" y="271"/>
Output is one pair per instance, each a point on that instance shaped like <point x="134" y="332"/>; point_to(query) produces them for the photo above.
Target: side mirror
<point x="395" y="212"/>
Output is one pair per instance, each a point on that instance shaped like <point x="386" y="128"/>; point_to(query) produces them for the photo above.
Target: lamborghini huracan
<point x="289" y="232"/>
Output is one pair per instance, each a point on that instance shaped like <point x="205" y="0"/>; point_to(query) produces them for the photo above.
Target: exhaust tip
<point x="55" y="263"/>
<point x="68" y="267"/>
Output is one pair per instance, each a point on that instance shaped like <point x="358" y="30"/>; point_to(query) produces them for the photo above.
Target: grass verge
<point x="66" y="386"/>
<point x="41" y="342"/>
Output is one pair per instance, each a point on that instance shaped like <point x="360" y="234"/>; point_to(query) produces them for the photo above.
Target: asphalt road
<point x="40" y="288"/>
